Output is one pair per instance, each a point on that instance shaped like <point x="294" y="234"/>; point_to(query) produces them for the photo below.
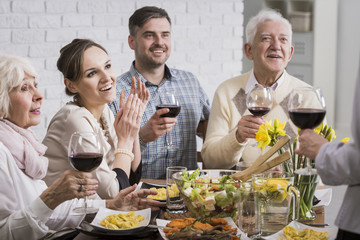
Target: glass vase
<point x="307" y="185"/>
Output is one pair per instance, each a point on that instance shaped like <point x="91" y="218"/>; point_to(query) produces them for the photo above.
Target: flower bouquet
<point x="268" y="134"/>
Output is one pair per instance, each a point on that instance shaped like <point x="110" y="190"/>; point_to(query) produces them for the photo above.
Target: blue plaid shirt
<point x="194" y="107"/>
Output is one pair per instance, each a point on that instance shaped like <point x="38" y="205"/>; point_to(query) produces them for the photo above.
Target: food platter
<point x="143" y="185"/>
<point x="299" y="226"/>
<point x="104" y="212"/>
<point x="162" y="223"/>
<point x="145" y="233"/>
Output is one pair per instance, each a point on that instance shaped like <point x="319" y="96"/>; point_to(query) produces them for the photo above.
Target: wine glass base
<point x="176" y="211"/>
<point x="87" y="210"/>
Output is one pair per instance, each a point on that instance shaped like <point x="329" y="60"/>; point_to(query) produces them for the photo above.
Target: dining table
<point x="151" y="233"/>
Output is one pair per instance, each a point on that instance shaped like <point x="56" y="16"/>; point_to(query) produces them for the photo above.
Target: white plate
<point x="162" y="222"/>
<point x="324" y="195"/>
<point x="149" y="185"/>
<point x="299" y="226"/>
<point x="104" y="212"/>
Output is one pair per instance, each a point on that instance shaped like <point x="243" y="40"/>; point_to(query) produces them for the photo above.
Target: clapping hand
<point x="128" y="119"/>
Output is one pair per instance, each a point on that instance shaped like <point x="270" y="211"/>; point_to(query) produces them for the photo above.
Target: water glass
<point x="247" y="218"/>
<point x="174" y="204"/>
<point x="242" y="165"/>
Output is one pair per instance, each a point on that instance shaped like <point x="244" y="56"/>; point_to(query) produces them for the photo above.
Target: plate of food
<point x="185" y="227"/>
<point x="302" y="231"/>
<point x="108" y="220"/>
<point x="161" y="189"/>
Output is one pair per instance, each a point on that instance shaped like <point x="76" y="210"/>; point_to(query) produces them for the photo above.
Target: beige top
<point x="72" y="118"/>
<point x="221" y="148"/>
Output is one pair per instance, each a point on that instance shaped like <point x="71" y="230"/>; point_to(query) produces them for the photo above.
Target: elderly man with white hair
<point x="232" y="128"/>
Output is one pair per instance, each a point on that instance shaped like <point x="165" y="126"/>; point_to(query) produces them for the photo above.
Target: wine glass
<point x="85" y="155"/>
<point x="306" y="110"/>
<point x="259" y="100"/>
<point x="168" y="100"/>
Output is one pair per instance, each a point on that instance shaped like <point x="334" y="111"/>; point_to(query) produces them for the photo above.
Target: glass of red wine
<point x="85" y="154"/>
<point x="307" y="110"/>
<point x="259" y="100"/>
<point x="168" y="100"/>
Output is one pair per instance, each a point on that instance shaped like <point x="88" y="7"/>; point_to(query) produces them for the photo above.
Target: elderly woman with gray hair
<point x="29" y="209"/>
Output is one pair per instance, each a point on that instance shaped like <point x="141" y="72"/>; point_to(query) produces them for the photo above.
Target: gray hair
<point x="12" y="73"/>
<point x="261" y="17"/>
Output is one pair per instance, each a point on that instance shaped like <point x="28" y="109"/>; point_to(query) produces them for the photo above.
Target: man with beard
<point x="150" y="38"/>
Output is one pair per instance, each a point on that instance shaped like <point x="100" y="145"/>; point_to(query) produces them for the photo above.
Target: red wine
<point x="259" y="111"/>
<point x="174" y="110"/>
<point x="86" y="162"/>
<point x="307" y="117"/>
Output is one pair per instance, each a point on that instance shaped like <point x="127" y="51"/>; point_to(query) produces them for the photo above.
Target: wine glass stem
<point x="85" y="203"/>
<point x="169" y="139"/>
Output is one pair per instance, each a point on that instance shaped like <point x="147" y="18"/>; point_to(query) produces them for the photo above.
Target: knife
<point x="316" y="224"/>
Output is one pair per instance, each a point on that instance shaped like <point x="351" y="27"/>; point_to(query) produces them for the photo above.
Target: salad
<point x="207" y="196"/>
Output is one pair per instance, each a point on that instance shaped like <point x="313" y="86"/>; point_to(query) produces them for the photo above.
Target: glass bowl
<point x="211" y="194"/>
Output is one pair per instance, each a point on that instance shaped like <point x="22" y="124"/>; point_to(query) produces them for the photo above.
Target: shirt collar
<point x="169" y="75"/>
<point x="252" y="82"/>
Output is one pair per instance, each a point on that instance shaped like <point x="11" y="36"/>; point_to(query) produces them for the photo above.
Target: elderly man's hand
<point x="310" y="143"/>
<point x="130" y="200"/>
<point x="247" y="127"/>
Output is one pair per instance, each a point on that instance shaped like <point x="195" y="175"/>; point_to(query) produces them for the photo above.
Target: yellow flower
<point x="267" y="135"/>
<point x="345" y="140"/>
<point x="279" y="128"/>
<point x="326" y="131"/>
<point x="318" y="129"/>
<point x="262" y="137"/>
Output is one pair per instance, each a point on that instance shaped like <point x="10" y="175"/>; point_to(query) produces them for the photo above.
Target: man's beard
<point x="150" y="63"/>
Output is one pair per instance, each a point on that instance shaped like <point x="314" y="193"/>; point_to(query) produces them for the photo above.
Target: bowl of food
<point x="209" y="193"/>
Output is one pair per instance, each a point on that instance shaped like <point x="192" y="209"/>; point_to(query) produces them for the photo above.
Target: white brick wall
<point x="207" y="38"/>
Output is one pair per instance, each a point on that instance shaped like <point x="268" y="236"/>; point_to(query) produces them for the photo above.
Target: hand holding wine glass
<point x="259" y="100"/>
<point x="85" y="155"/>
<point x="168" y="100"/>
<point x="306" y="110"/>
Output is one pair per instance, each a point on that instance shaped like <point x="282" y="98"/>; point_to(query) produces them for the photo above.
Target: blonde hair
<point x="12" y="72"/>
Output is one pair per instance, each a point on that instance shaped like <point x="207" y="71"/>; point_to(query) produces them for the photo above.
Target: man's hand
<point x="157" y="126"/>
<point x="247" y="127"/>
<point x="310" y="143"/>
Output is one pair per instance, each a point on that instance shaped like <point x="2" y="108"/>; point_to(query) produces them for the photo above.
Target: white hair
<point x="261" y="17"/>
<point x="12" y="72"/>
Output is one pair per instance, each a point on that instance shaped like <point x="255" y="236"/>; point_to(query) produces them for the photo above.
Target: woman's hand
<point x="72" y="184"/>
<point x="128" y="119"/>
<point x="130" y="200"/>
<point x="142" y="92"/>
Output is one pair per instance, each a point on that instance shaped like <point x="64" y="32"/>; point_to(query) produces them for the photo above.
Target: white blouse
<point x="23" y="215"/>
